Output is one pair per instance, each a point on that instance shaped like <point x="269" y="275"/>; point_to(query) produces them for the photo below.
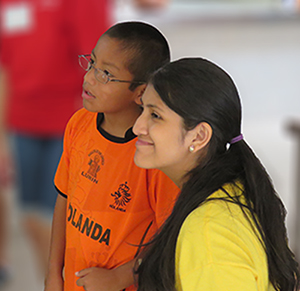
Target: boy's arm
<point x="54" y="279"/>
<point x="100" y="279"/>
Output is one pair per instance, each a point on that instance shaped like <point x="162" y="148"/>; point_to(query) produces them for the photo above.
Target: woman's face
<point x="162" y="143"/>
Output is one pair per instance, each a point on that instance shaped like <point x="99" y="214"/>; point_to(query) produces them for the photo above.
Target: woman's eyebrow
<point x="153" y="106"/>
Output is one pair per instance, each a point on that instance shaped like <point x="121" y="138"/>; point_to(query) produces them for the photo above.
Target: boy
<point x="107" y="206"/>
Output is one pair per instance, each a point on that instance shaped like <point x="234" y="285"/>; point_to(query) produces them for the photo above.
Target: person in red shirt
<point x="40" y="41"/>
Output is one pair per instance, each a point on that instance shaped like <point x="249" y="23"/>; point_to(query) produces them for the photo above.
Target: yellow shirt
<point x="217" y="249"/>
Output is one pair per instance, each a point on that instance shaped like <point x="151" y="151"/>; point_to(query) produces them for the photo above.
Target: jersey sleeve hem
<point x="61" y="193"/>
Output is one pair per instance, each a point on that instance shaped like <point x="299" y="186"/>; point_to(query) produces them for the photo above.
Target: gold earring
<point x="191" y="148"/>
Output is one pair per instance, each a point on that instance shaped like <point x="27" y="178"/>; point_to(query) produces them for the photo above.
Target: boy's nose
<point x="89" y="77"/>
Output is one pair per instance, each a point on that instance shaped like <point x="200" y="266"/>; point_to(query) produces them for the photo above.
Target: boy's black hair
<point x="147" y="48"/>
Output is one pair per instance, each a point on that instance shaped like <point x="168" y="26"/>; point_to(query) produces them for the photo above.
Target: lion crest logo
<point x="122" y="197"/>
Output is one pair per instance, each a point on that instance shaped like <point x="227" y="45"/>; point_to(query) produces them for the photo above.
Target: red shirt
<point x="40" y="42"/>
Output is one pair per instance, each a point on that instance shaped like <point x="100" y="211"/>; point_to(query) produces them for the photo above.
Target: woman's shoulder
<point x="221" y="220"/>
<point x="219" y="205"/>
<point x="222" y="215"/>
<point x="219" y="233"/>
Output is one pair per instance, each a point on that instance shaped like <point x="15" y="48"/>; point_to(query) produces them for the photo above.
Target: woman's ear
<point x="139" y="93"/>
<point x="202" y="136"/>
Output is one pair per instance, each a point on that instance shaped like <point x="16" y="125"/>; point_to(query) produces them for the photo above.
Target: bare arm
<point x="100" y="279"/>
<point x="54" y="279"/>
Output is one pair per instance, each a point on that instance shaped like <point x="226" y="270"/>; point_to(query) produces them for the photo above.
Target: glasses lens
<point x="101" y="76"/>
<point x="84" y="63"/>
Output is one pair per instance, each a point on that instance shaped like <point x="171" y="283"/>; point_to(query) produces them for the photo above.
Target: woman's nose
<point x="140" y="127"/>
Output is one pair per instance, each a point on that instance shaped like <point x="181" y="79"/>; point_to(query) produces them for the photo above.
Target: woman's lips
<point x="140" y="142"/>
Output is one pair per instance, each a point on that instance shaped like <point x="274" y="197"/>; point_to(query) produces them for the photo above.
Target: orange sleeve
<point x="62" y="178"/>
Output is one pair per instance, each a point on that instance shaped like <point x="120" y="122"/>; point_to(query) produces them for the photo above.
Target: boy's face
<point x="113" y="97"/>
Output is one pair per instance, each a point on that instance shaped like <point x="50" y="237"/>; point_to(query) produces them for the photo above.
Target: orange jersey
<point x="112" y="205"/>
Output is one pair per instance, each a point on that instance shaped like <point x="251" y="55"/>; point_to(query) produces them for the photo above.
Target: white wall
<point x="263" y="57"/>
<point x="261" y="51"/>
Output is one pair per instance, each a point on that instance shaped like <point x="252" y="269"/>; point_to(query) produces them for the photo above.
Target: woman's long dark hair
<point x="198" y="91"/>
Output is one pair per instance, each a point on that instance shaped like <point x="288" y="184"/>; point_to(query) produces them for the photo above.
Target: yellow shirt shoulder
<point x="218" y="249"/>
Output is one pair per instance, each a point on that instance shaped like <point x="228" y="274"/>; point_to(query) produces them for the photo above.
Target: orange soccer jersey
<point x="112" y="204"/>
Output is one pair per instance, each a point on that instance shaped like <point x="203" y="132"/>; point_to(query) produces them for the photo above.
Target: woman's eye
<point x="155" y="116"/>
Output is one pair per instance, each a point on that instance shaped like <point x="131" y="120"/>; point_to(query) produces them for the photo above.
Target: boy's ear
<point x="202" y="135"/>
<point x="139" y="93"/>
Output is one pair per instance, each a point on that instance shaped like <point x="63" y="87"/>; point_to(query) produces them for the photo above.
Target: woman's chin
<point x="142" y="163"/>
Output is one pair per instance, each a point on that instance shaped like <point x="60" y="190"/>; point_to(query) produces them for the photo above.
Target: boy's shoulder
<point x="83" y="113"/>
<point x="82" y="116"/>
<point x="81" y="121"/>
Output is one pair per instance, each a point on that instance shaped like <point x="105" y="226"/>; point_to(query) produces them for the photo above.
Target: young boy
<point x="107" y="206"/>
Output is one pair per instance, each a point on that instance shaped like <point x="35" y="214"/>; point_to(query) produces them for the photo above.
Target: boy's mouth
<point x="87" y="95"/>
<point x="87" y="92"/>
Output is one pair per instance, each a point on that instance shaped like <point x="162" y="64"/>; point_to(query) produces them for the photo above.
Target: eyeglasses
<point x="86" y="63"/>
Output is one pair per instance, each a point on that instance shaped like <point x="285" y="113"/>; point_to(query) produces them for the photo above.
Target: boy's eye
<point x="107" y="73"/>
<point x="91" y="63"/>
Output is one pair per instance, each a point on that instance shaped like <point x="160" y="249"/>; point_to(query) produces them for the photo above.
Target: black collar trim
<point x="129" y="135"/>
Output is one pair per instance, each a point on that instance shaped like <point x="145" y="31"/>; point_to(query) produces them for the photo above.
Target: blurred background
<point x="258" y="43"/>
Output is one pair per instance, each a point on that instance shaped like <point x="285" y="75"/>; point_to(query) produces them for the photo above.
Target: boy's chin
<point x="88" y="107"/>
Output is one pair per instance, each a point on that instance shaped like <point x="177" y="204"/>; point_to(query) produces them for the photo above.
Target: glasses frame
<point x="103" y="73"/>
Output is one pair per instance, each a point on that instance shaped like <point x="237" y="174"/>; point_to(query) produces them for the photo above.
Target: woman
<point x="227" y="229"/>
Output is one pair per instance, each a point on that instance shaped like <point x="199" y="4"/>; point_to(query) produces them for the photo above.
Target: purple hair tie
<point x="236" y="139"/>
